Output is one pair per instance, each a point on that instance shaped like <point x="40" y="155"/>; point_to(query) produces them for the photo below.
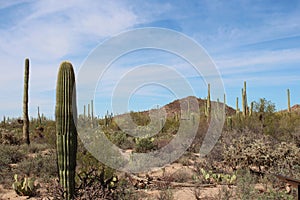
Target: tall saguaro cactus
<point x="237" y="106"/>
<point x="92" y="109"/>
<point x="84" y="111"/>
<point x="66" y="132"/>
<point x="289" y="100"/>
<point x="244" y="100"/>
<point x="208" y="104"/>
<point x="25" y="104"/>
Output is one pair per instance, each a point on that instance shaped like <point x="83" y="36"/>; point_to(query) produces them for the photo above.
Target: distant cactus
<point x="208" y="104"/>
<point x="251" y="109"/>
<point x="25" y="104"/>
<point x="244" y="100"/>
<point x="39" y="116"/>
<point x="89" y="111"/>
<point x="92" y="109"/>
<point x="289" y="100"/>
<point x="84" y="111"/>
<point x="66" y="133"/>
<point x="237" y="106"/>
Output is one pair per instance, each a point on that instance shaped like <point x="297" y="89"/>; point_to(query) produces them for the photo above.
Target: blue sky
<point x="253" y="41"/>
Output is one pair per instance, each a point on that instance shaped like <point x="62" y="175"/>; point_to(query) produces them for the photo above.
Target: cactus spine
<point x="66" y="133"/>
<point x="289" y="100"/>
<point x="25" y="104"/>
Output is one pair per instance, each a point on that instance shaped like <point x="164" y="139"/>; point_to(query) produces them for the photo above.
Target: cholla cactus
<point x="66" y="133"/>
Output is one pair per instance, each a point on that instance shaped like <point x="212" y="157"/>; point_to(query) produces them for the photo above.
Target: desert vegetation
<point x="259" y="146"/>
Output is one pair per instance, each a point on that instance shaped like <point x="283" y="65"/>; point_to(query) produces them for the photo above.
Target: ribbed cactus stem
<point x="66" y="133"/>
<point x="251" y="109"/>
<point x="289" y="100"/>
<point x="25" y="104"/>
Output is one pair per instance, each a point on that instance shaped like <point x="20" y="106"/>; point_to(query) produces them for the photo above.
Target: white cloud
<point x="51" y="32"/>
<point x="256" y="61"/>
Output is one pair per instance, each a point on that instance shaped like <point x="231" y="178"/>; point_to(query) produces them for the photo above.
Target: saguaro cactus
<point x="251" y="109"/>
<point x="92" y="109"/>
<point x="237" y="106"/>
<point x="25" y="104"/>
<point x="244" y="100"/>
<point x="84" y="111"/>
<point x="289" y="100"/>
<point x="66" y="132"/>
<point x="89" y="111"/>
<point x="208" y="104"/>
<point x="39" y="116"/>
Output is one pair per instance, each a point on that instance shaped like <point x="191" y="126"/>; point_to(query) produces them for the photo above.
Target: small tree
<point x="265" y="111"/>
<point x="264" y="106"/>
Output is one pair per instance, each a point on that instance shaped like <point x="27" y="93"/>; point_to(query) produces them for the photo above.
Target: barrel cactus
<point x="66" y="132"/>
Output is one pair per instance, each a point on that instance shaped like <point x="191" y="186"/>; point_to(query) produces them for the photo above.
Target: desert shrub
<point x="121" y="140"/>
<point x="140" y="118"/>
<point x="144" y="145"/>
<point x="185" y="159"/>
<point x="165" y="195"/>
<point x="41" y="166"/>
<point x="10" y="154"/>
<point x="246" y="152"/>
<point x="224" y="193"/>
<point x="245" y="185"/>
<point x="181" y="176"/>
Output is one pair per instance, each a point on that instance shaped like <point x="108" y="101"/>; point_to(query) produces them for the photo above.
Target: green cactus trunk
<point x="25" y="104"/>
<point x="39" y="116"/>
<point x="244" y="100"/>
<point x="66" y="133"/>
<point x="84" y="111"/>
<point x="208" y="104"/>
<point x="289" y="100"/>
<point x="89" y="111"/>
<point x="251" y="109"/>
<point x="237" y="106"/>
<point x="92" y="109"/>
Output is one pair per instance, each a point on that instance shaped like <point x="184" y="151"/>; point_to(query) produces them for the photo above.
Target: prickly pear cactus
<point x="66" y="133"/>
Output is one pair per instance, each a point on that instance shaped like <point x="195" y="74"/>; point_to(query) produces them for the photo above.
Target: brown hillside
<point x="174" y="107"/>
